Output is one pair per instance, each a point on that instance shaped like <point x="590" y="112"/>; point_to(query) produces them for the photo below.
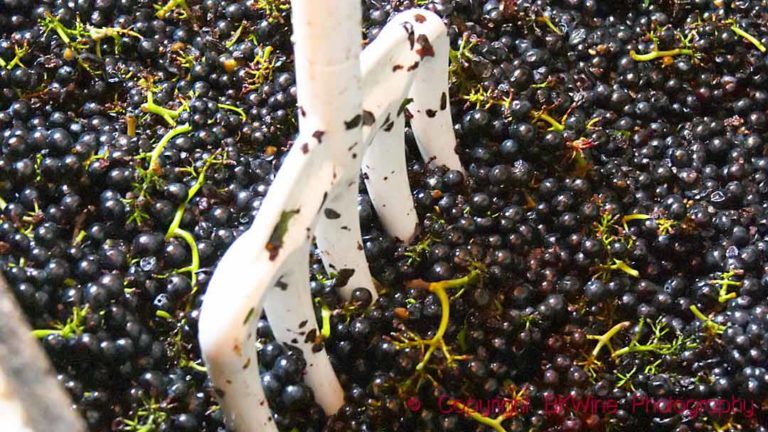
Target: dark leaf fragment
<point x="278" y="233"/>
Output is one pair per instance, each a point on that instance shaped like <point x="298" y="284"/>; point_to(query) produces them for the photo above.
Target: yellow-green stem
<point x="725" y="282"/>
<point x="168" y="115"/>
<point x="325" y="313"/>
<point x="635" y="216"/>
<point x="171" y="134"/>
<point x="80" y="237"/>
<point x="175" y="228"/>
<point x="130" y="125"/>
<point x="556" y="125"/>
<point x="748" y="37"/>
<point x="708" y="323"/>
<point x="60" y="30"/>
<point x="195" y="266"/>
<point x="494" y="424"/>
<point x="605" y="339"/>
<point x="438" y="338"/>
<point x="621" y="265"/>
<point x="653" y="55"/>
<point x="42" y="333"/>
<point x="698" y="313"/>
<point x="17" y="58"/>
<point x="439" y="289"/>
<point x="164" y="315"/>
<point x="634" y="348"/>
<point x="233" y="108"/>
<point x="231" y="42"/>
<point x="72" y="327"/>
<point x="197" y="367"/>
<point x="170" y="6"/>
<point x="549" y="24"/>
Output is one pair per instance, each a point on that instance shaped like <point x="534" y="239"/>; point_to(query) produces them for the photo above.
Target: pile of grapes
<point x="602" y="265"/>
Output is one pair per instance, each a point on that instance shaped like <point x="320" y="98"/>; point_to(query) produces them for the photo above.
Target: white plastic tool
<point x="352" y="109"/>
